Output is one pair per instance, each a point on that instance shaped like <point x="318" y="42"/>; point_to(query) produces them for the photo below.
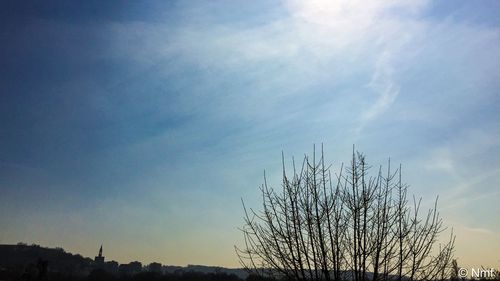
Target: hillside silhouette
<point x="34" y="262"/>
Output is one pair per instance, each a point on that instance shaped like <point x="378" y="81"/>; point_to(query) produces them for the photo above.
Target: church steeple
<point x="99" y="259"/>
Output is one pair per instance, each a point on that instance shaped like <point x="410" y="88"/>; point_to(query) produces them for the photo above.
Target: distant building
<point x="155" y="267"/>
<point x="99" y="260"/>
<point x="111" y="267"/>
<point x="130" y="268"/>
<point x="172" y="269"/>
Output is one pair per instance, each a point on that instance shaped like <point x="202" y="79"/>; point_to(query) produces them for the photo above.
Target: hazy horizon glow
<point x="141" y="126"/>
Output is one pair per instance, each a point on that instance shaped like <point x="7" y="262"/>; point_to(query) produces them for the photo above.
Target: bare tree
<point x="346" y="226"/>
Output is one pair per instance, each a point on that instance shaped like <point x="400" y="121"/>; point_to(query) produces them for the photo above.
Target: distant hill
<point x="21" y="255"/>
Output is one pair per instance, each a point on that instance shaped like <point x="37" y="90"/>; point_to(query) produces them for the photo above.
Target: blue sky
<point x="141" y="125"/>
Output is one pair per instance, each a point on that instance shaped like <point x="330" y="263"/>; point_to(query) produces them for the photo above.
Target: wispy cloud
<point x="383" y="85"/>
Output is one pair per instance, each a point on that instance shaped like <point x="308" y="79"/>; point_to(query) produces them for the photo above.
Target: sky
<point x="141" y="125"/>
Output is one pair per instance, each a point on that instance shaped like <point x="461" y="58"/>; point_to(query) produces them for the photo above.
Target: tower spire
<point x="99" y="259"/>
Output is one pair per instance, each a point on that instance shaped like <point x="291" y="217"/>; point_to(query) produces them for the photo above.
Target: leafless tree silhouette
<point x="346" y="226"/>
